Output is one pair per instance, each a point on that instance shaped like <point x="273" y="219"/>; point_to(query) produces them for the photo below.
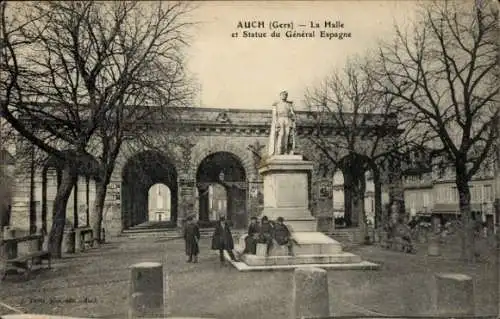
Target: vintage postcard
<point x="249" y="159"/>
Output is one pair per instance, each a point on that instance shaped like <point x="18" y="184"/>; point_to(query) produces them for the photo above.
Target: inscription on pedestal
<point x="291" y="190"/>
<point x="286" y="191"/>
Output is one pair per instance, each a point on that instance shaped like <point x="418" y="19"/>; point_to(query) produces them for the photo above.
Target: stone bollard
<point x="433" y="248"/>
<point x="261" y="250"/>
<point x="69" y="242"/>
<point x="310" y="293"/>
<point x="79" y="245"/>
<point x="454" y="295"/>
<point x="146" y="291"/>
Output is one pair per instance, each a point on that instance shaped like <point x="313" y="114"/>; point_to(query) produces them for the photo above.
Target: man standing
<point x="223" y="239"/>
<point x="192" y="237"/>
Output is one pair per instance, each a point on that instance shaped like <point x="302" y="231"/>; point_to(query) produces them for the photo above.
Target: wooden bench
<point x="24" y="260"/>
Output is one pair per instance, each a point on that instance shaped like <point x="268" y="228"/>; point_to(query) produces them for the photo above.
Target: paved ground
<point x="95" y="284"/>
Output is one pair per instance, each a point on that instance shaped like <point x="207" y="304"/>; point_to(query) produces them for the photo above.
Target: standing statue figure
<point x="282" y="137"/>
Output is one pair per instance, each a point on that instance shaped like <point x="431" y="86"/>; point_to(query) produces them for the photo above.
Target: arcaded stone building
<point x="200" y="148"/>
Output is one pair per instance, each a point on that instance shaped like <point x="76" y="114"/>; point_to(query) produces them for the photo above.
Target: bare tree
<point x="146" y="70"/>
<point x="366" y="136"/>
<point x="38" y="122"/>
<point x="5" y="198"/>
<point x="73" y="67"/>
<point x="444" y="72"/>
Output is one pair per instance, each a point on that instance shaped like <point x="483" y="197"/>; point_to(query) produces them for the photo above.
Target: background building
<point x="434" y="192"/>
<point x="159" y="203"/>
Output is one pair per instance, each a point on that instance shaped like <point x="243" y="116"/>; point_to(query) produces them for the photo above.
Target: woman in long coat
<point x="222" y="239"/>
<point x="191" y="237"/>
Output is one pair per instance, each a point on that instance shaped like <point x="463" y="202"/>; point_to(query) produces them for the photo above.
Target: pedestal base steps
<point x="363" y="265"/>
<point x="312" y="249"/>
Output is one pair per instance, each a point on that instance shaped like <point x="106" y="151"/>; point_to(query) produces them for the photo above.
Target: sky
<point x="250" y="72"/>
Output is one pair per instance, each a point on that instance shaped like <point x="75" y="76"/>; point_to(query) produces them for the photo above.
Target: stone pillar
<point x="187" y="198"/>
<point x="79" y="245"/>
<point x="261" y="250"/>
<point x="68" y="245"/>
<point x="323" y="194"/>
<point x="394" y="182"/>
<point x="454" y="295"/>
<point x="310" y="293"/>
<point x="75" y="203"/>
<point x="255" y="189"/>
<point x="433" y="248"/>
<point x="146" y="291"/>
<point x="87" y="201"/>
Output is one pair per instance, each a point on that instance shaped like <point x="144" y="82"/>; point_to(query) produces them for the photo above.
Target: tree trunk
<point x="358" y="198"/>
<point x="68" y="179"/>
<point x="378" y="198"/>
<point x="468" y="249"/>
<point x="101" y="188"/>
<point x="44" y="202"/>
<point x="348" y="196"/>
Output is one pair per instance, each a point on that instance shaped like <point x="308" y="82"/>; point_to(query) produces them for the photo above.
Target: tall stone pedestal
<point x="286" y="187"/>
<point x="286" y="195"/>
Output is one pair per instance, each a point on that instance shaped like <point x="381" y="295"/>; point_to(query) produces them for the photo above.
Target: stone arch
<point x="140" y="172"/>
<point x="131" y="150"/>
<point x="224" y="169"/>
<point x="203" y="150"/>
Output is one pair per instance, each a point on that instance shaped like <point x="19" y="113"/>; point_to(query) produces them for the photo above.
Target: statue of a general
<point x="282" y="137"/>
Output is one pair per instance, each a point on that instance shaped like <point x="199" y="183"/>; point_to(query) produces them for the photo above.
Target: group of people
<point x="269" y="233"/>
<point x="266" y="232"/>
<point x="222" y="239"/>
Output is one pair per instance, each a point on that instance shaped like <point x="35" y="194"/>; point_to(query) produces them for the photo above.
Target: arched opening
<point x="140" y="173"/>
<point x="338" y="198"/>
<point x="222" y="189"/>
<point x="159" y="203"/>
<point x="217" y="201"/>
<point x="369" y="198"/>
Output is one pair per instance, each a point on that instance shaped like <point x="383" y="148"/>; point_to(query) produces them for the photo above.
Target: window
<point x="413" y="200"/>
<point x="475" y="194"/>
<point x="426" y="199"/>
<point x="441" y="194"/>
<point x="454" y="195"/>
<point x="487" y="193"/>
<point x="418" y="198"/>
<point x="409" y="198"/>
